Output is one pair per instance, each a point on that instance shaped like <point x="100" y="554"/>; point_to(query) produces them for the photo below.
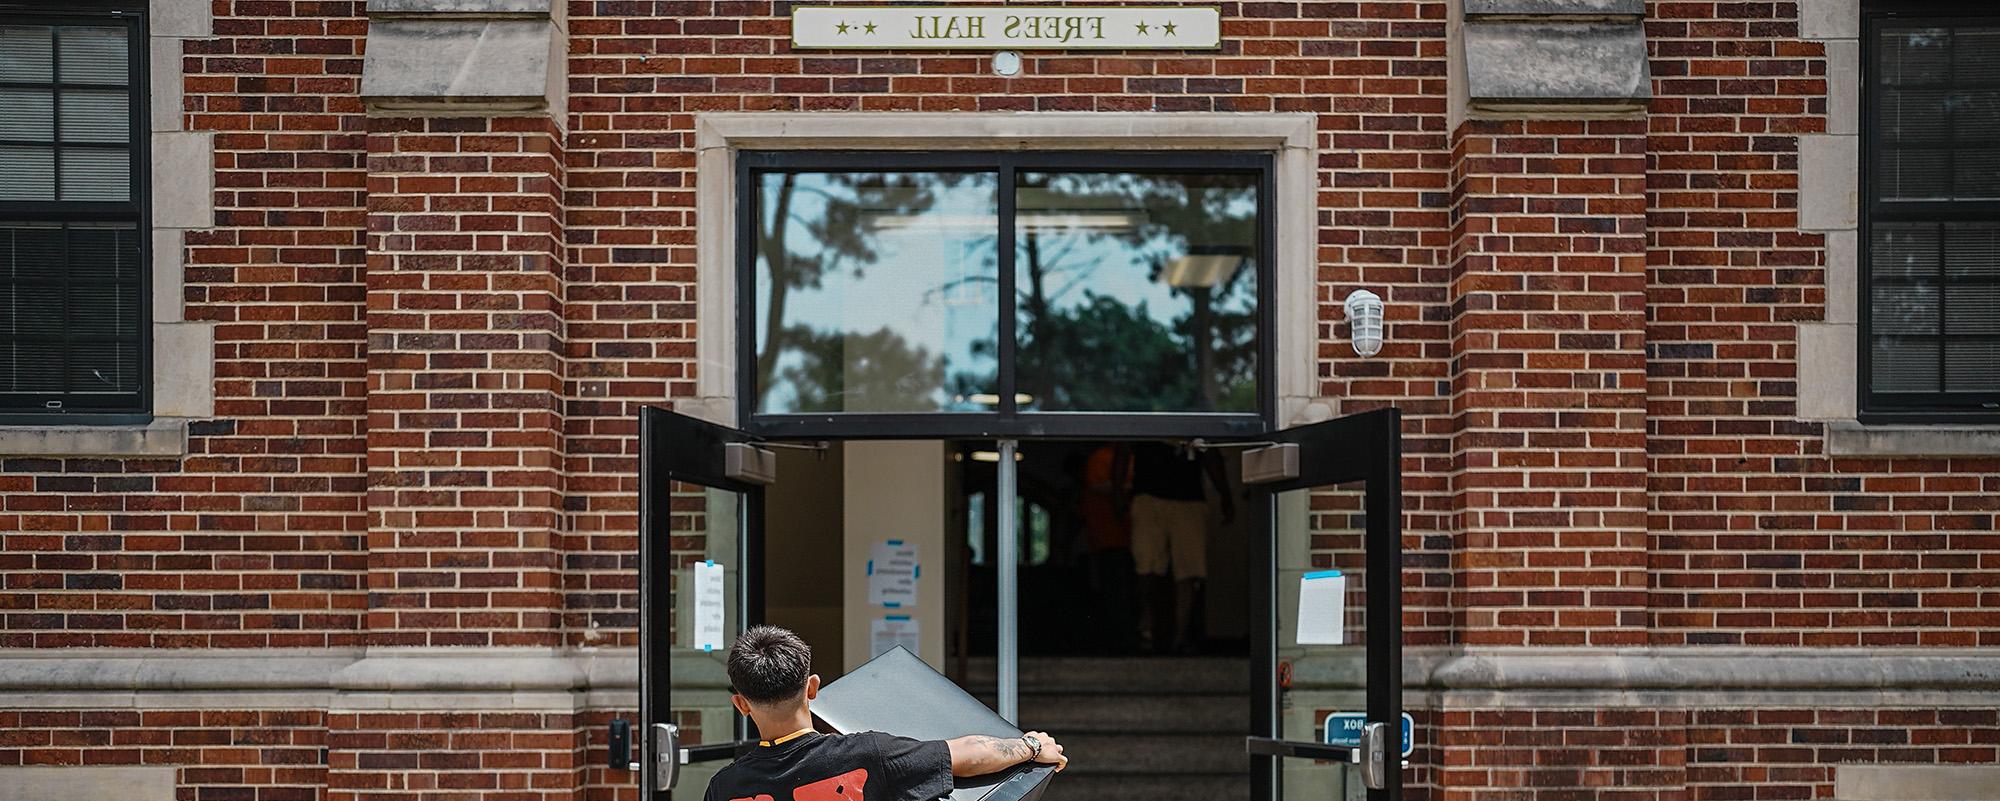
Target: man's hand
<point x="1051" y="751"/>
<point x="978" y="754"/>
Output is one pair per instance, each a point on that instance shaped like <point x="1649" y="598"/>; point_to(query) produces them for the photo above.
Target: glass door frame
<point x="700" y="456"/>
<point x="1364" y="447"/>
<point x="1006" y="422"/>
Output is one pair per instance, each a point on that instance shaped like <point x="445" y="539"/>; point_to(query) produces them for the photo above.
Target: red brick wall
<point x="545" y="294"/>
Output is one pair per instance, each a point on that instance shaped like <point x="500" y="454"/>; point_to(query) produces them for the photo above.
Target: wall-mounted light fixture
<point x="1007" y="63"/>
<point x="1364" y="321"/>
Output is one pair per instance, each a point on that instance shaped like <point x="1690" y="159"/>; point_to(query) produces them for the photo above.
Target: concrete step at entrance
<point x="1098" y="713"/>
<point x="1122" y="675"/>
<point x="1107" y="787"/>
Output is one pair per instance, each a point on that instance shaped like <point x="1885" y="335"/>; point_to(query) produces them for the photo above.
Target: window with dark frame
<point x="74" y="311"/>
<point x="1930" y="299"/>
<point x="957" y="293"/>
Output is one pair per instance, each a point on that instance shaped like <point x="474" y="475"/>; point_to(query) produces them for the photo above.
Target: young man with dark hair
<point x="770" y="674"/>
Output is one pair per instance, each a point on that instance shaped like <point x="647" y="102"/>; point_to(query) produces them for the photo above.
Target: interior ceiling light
<point x="993" y="399"/>
<point x="1202" y="270"/>
<point x="992" y="456"/>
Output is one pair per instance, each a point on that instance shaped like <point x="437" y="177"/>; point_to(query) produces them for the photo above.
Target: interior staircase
<point x="1153" y="728"/>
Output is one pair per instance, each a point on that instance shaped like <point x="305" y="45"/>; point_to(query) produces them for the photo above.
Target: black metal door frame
<point x="1366" y="447"/>
<point x="1363" y="447"/>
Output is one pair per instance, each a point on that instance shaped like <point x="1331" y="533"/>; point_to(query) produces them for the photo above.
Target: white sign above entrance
<point x="1006" y="27"/>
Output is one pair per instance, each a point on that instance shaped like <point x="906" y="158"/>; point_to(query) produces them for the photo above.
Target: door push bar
<point x="669" y="756"/>
<point x="1372" y="756"/>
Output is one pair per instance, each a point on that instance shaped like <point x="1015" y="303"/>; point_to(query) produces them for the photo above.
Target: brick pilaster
<point x="1549" y="382"/>
<point x="464" y="381"/>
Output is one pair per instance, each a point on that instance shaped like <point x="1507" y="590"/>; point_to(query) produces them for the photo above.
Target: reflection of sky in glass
<point x="1165" y="218"/>
<point x="910" y="254"/>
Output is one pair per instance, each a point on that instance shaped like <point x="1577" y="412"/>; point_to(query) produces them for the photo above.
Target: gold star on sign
<point x="841" y="28"/>
<point x="1142" y="28"/>
<point x="869" y="28"/>
<point x="1169" y="28"/>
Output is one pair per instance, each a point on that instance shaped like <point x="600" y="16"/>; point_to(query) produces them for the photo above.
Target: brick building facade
<point x="376" y="537"/>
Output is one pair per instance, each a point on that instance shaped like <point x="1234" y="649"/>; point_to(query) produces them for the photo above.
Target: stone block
<point x="169" y="274"/>
<point x="184" y="18"/>
<point x="1537" y="8"/>
<point x="164" y="80"/>
<point x="1827" y="370"/>
<point x="491" y="64"/>
<point x="184" y="369"/>
<point x="1843" y="87"/>
<point x="160" y="438"/>
<point x="183" y="180"/>
<point x="466" y="7"/>
<point x="1829" y="182"/>
<point x="1916" y="782"/>
<point x="1829" y="19"/>
<point x="1510" y="63"/>
<point x="1850" y="438"/>
<point x="152" y="783"/>
<point x="1843" y="277"/>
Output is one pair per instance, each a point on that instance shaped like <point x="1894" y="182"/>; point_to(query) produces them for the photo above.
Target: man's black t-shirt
<point x="865" y="766"/>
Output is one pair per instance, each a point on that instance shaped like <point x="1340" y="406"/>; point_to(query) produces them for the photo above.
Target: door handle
<point x="1375" y="755"/>
<point x="666" y="756"/>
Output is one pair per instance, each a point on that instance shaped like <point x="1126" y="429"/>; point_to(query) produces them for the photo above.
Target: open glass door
<point x="700" y="558"/>
<point x="1327" y="719"/>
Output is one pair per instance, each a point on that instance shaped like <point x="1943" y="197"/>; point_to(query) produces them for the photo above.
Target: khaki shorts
<point x="1170" y="532"/>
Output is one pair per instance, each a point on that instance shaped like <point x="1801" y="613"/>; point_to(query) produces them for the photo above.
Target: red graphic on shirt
<point x="845" y="787"/>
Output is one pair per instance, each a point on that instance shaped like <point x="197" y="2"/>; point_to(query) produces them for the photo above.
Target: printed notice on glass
<point x="892" y="574"/>
<point x="1322" y="608"/>
<point x="709" y="600"/>
<point x="891" y="631"/>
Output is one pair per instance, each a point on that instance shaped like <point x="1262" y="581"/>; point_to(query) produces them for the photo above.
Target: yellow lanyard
<point x="785" y="739"/>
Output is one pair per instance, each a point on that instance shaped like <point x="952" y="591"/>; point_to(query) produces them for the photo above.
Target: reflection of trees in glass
<point x="1109" y="353"/>
<point x="888" y="376"/>
<point x="837" y="370"/>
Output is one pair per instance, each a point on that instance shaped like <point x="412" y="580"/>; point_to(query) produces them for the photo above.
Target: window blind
<point x="1933" y="268"/>
<point x="72" y="279"/>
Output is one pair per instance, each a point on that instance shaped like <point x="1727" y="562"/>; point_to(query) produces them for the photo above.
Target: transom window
<point x="73" y="306"/>
<point x="988" y="293"/>
<point x="1931" y="285"/>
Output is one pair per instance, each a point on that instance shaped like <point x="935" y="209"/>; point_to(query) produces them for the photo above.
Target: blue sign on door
<point x="1344" y="729"/>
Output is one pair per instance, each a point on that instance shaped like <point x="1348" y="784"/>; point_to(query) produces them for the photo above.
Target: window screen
<point x="1932" y="289"/>
<point x="72" y="277"/>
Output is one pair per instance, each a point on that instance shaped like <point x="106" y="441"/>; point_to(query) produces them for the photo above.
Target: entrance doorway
<point x="1315" y="501"/>
<point x="1091" y="620"/>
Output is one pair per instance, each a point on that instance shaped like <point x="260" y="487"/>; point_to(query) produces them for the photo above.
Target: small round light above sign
<point x="1007" y="63"/>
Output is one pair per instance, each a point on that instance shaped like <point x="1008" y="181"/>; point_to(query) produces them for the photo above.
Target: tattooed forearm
<point x="979" y="754"/>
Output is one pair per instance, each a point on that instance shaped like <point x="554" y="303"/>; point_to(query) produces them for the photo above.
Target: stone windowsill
<point x="163" y="437"/>
<point x="1852" y="438"/>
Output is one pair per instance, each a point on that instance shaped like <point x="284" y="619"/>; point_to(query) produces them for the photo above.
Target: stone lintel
<point x="1580" y="65"/>
<point x="1555" y="8"/>
<point x="470" y="8"/>
<point x="462" y="65"/>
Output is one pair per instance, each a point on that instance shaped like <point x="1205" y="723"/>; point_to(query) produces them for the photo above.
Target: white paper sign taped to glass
<point x="710" y="599"/>
<point x="892" y="574"/>
<point x="1006" y="27"/>
<point x="1322" y="608"/>
<point x="892" y="630"/>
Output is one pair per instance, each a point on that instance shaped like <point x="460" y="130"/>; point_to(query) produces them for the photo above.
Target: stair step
<point x="1083" y="713"/>
<point x="1103" y="787"/>
<point x="1131" y="675"/>
<point x="1154" y="754"/>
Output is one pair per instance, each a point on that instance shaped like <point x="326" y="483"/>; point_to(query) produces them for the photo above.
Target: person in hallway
<point x="1107" y="536"/>
<point x="1170" y="537"/>
<point x="771" y="681"/>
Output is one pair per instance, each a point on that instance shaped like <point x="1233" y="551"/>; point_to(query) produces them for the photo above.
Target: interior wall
<point x="802" y="536"/>
<point x="894" y="490"/>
